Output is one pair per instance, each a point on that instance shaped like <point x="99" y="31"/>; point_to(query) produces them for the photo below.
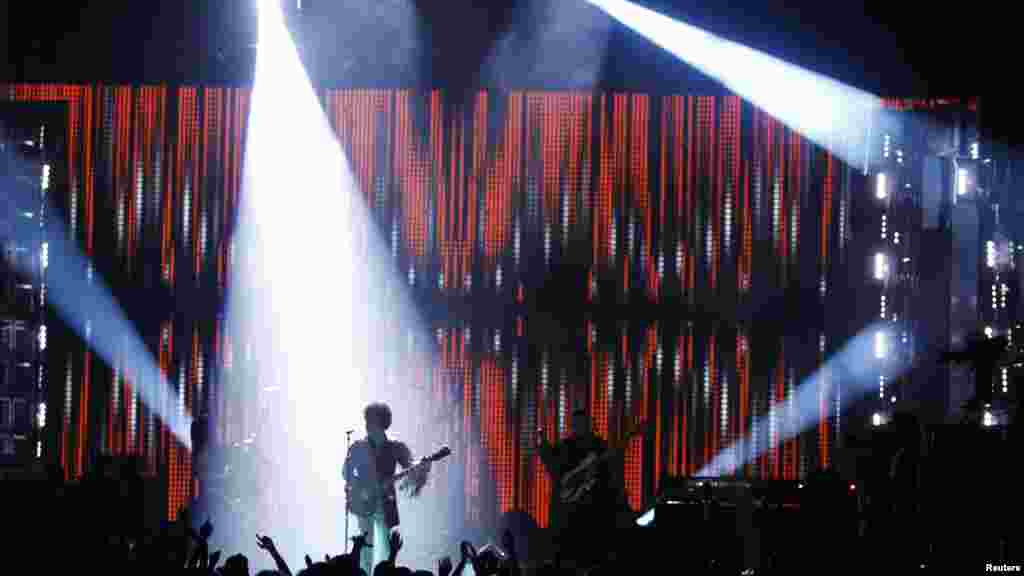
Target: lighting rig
<point x="988" y="183"/>
<point x="23" y="336"/>
<point x="895" y="187"/>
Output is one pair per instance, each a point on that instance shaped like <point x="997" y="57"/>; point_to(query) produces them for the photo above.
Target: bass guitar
<point x="581" y="480"/>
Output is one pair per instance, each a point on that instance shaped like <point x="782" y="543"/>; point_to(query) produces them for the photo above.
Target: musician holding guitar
<point x="588" y="494"/>
<point x="370" y="477"/>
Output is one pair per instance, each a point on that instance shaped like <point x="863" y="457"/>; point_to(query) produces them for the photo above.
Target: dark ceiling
<point x="888" y="48"/>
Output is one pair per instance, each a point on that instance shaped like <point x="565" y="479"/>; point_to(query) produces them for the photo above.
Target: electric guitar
<point x="363" y="497"/>
<point x="578" y="482"/>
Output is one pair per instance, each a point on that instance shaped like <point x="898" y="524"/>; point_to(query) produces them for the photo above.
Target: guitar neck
<point x="624" y="443"/>
<point x="406" y="472"/>
<point x="620" y="445"/>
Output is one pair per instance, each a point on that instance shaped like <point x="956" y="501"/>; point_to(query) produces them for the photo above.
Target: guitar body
<point x="577" y="494"/>
<point x="366" y="498"/>
<point x="581" y="481"/>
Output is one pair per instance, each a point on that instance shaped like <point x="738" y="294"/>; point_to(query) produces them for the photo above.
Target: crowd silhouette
<point x="182" y="549"/>
<point x="923" y="500"/>
<point x="894" y="520"/>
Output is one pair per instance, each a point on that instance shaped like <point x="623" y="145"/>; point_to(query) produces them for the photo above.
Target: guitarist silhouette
<point x="369" y="461"/>
<point x="587" y="497"/>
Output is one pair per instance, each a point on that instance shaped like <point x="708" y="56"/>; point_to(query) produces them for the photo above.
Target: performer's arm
<point x="403" y="454"/>
<point x="415" y="482"/>
<point x="548" y="454"/>
<point x="613" y="465"/>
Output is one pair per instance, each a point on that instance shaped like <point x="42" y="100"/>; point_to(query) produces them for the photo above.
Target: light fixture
<point x="881" y="346"/>
<point x="880" y="191"/>
<point x="961" y="181"/>
<point x="881" y="266"/>
<point x="646" y="519"/>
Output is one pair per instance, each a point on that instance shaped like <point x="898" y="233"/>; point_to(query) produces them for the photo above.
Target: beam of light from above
<point x="313" y="300"/>
<point x="856" y="367"/>
<point x="85" y="303"/>
<point x="831" y="114"/>
<point x="533" y="50"/>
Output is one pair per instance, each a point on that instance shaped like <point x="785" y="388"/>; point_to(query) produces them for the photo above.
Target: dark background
<point x="887" y="48"/>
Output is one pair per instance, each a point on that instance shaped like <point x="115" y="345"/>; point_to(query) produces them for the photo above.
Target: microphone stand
<point x="348" y="443"/>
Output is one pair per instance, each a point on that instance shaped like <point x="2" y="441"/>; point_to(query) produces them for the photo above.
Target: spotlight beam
<point x="324" y="324"/>
<point x="855" y="366"/>
<point x="81" y="297"/>
<point x="837" y="117"/>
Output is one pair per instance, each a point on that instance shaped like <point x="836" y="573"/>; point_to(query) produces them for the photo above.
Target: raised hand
<point x="468" y="552"/>
<point x="444" y="566"/>
<point x="508" y="542"/>
<point x="204" y="557"/>
<point x="237" y="565"/>
<point x="394" y="541"/>
<point x="265" y="543"/>
<point x="360" y="541"/>
<point x="198" y="556"/>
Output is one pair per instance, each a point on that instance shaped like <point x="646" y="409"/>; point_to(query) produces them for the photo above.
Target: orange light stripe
<point x="73" y="172"/>
<point x="180" y="156"/>
<point x="446" y="231"/>
<point x="196" y="131"/>
<point x="111" y="443"/>
<point x="82" y="415"/>
<point x="597" y="220"/>
<point x="135" y="129"/>
<point x="150" y="126"/>
<point x="784" y="173"/>
<point x="455" y="216"/>
<point x="122" y="113"/>
<point x="226" y="130"/>
<point x="690" y="189"/>
<point x="711" y="434"/>
<point x="165" y="206"/>
<point x="88" y="169"/>
<point x="210" y="97"/>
